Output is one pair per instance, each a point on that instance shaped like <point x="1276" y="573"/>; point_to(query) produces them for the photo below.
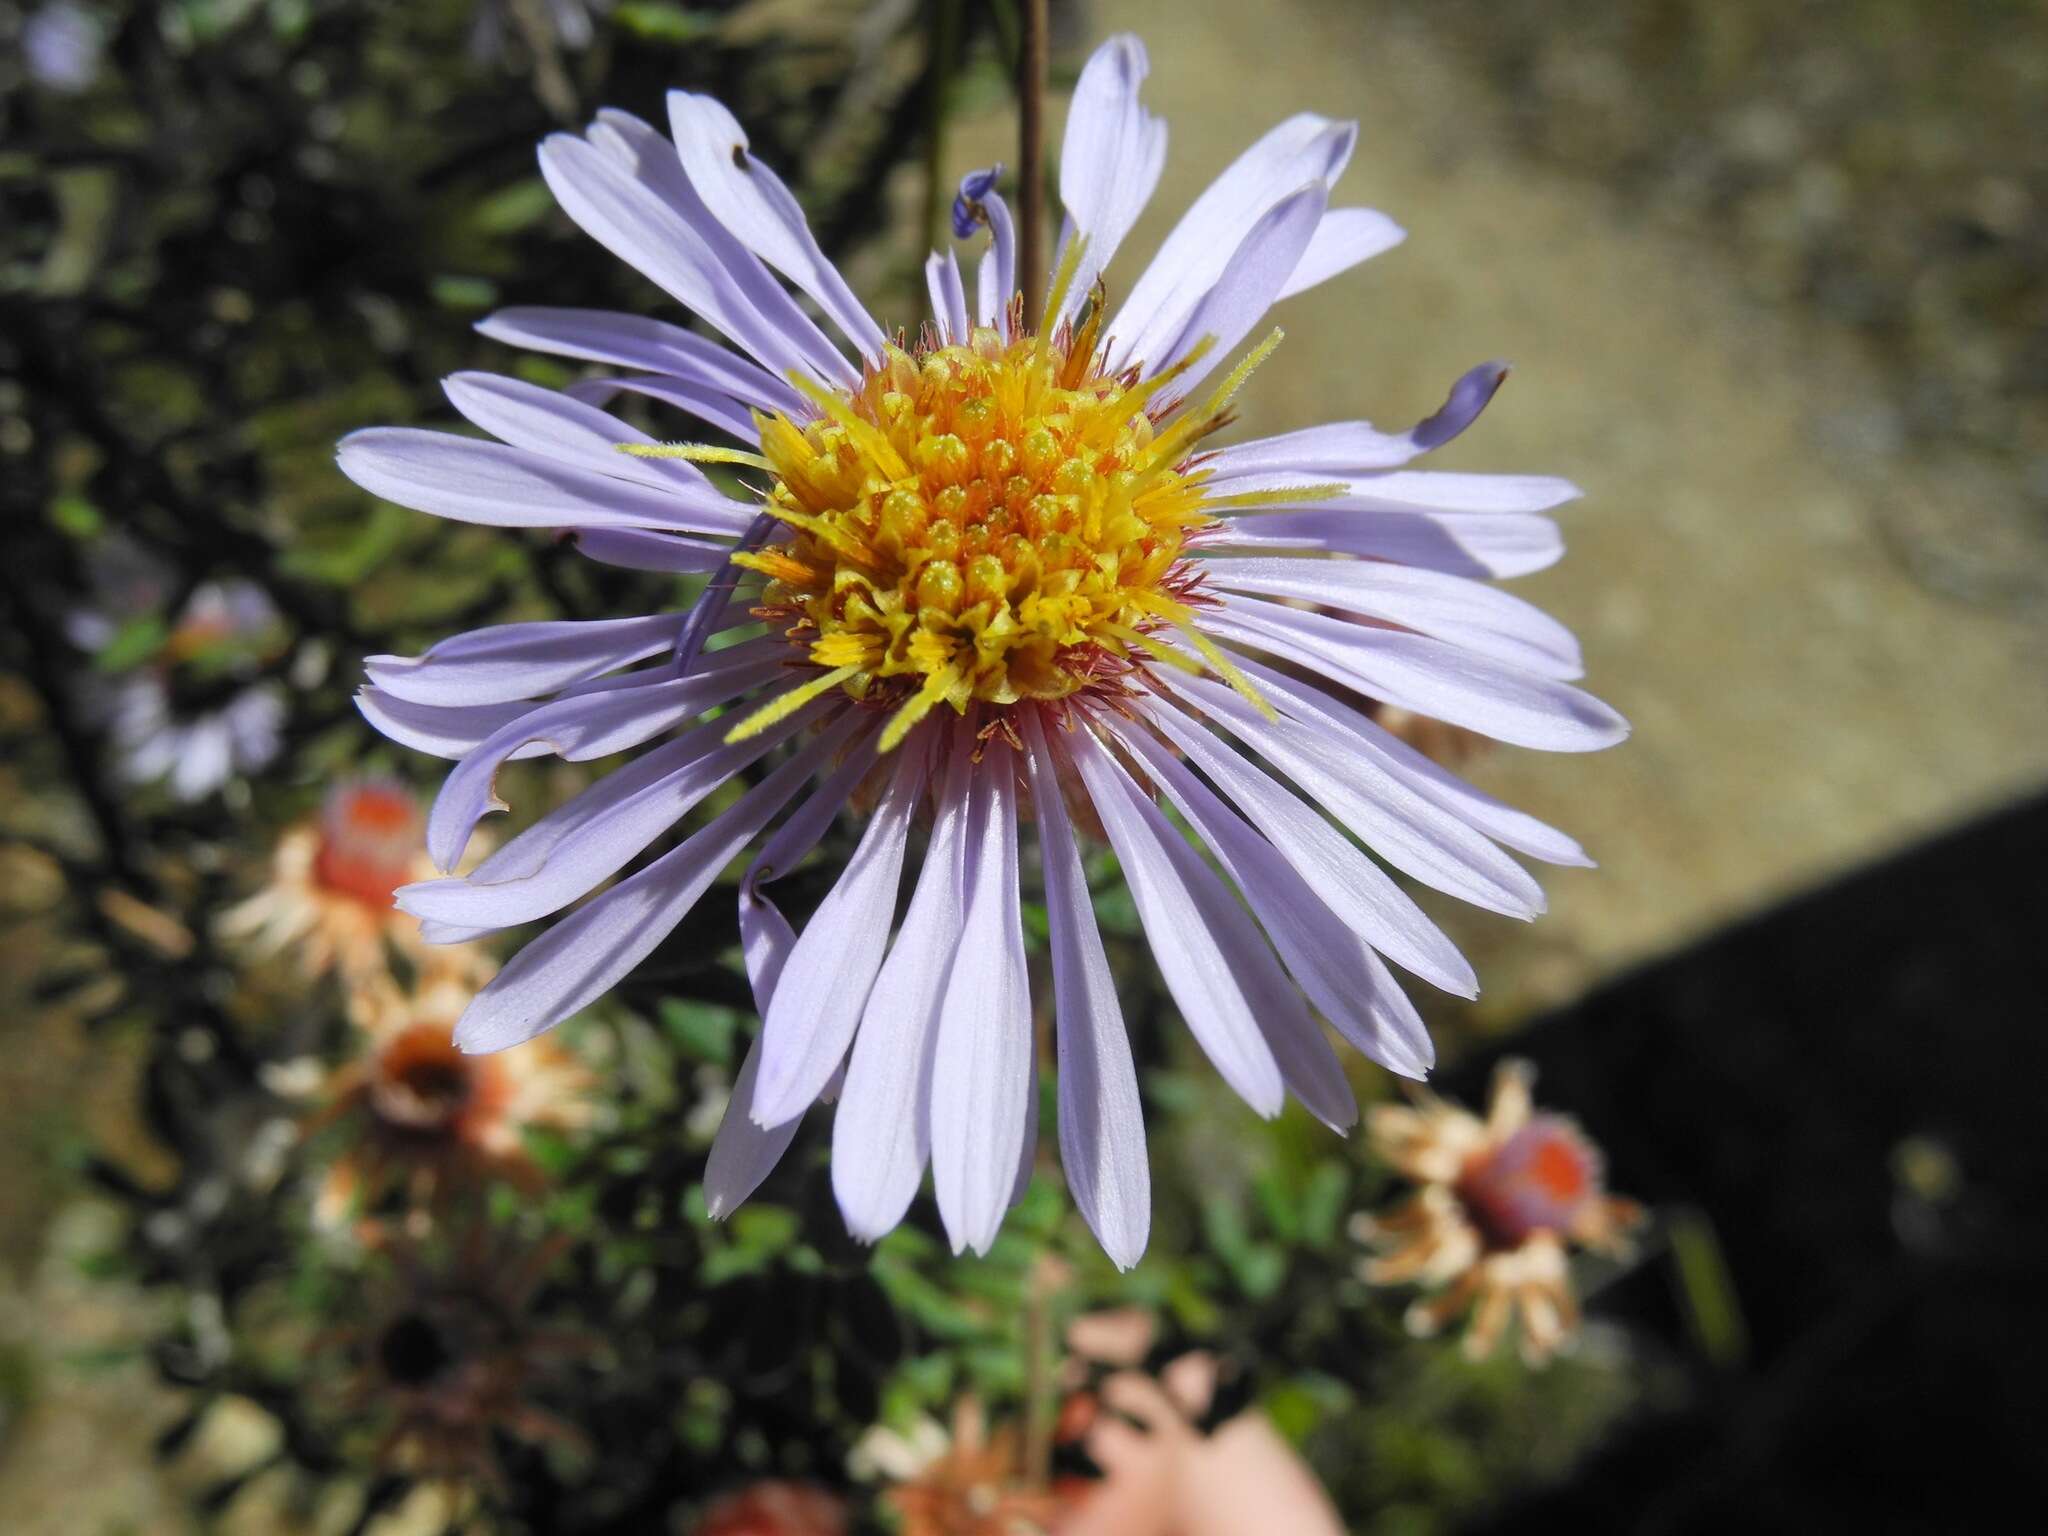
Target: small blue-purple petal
<point x="1430" y="677"/>
<point x="586" y="954"/>
<point x="1102" y="1126"/>
<point x="809" y="1023"/>
<point x="521" y="661"/>
<point x="982" y="1069"/>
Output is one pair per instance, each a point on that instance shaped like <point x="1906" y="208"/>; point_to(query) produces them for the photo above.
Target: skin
<point x="1164" y="1478"/>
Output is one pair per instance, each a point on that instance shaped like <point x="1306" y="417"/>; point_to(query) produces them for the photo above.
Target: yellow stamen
<point x="1195" y="424"/>
<point x="1284" y="496"/>
<point x="918" y="706"/>
<point x="697" y="453"/>
<point x="987" y="524"/>
<point x="1062" y="280"/>
<point x="1182" y="618"/>
<point x="782" y="707"/>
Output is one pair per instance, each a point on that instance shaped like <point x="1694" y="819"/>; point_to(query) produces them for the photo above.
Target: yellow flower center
<point x="991" y="522"/>
<point x="996" y="521"/>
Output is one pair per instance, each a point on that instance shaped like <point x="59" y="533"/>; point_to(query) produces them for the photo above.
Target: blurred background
<point x="1774" y="281"/>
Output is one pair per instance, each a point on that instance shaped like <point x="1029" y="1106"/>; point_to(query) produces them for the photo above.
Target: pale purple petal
<point x="711" y="406"/>
<point x="480" y="482"/>
<point x="645" y="226"/>
<point x="949" y="297"/>
<point x="635" y="341"/>
<point x="586" y="954"/>
<point x="1346" y="237"/>
<point x="1363" y="738"/>
<point x="1102" y="1126"/>
<point x="1303" y="149"/>
<point x="1311" y="1069"/>
<point x="657" y="162"/>
<point x="604" y="845"/>
<point x="981" y="1069"/>
<point x="642" y="549"/>
<point x="881" y="1136"/>
<point x="1336" y="968"/>
<point x="1468" y="613"/>
<point x="445" y="730"/>
<point x="806" y="1027"/>
<point x="766" y="938"/>
<point x="1109" y="162"/>
<point x="996" y="279"/>
<point x="750" y="200"/>
<point x="1410" y="834"/>
<point x="521" y="661"/>
<point x="1196" y="929"/>
<point x="1426" y="676"/>
<point x="588" y="726"/>
<point x="1343" y="449"/>
<point x="563" y="428"/>
<point x="1436" y="490"/>
<point x="1027" y="1147"/>
<point x="526" y="853"/>
<point x="742" y="1153"/>
<point x="1459" y="543"/>
<point x="1250" y="281"/>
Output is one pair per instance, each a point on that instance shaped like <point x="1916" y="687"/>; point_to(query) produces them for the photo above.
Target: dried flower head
<point x="966" y="1483"/>
<point x="1001" y="568"/>
<point x="420" y="1117"/>
<point x="452" y="1358"/>
<point x="1501" y="1200"/>
<point x="329" y="895"/>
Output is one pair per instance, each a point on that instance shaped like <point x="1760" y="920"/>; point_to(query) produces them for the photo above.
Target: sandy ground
<point x="1801" y="702"/>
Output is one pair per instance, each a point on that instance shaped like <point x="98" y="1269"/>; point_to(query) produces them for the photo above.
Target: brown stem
<point x="1031" y="71"/>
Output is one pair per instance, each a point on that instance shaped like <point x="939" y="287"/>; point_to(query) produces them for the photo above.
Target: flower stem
<point x="1031" y="72"/>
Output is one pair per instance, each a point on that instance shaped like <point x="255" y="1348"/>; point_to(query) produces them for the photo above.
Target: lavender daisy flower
<point x="1007" y="579"/>
<point x="188" y="714"/>
<point x="62" y="44"/>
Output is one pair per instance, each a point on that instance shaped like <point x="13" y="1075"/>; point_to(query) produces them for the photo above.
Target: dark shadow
<point x="1811" y="1080"/>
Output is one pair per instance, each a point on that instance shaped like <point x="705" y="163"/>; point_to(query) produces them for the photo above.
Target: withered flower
<point x="453" y="1357"/>
<point x="1500" y="1201"/>
<point x="420" y="1116"/>
<point x="967" y="1483"/>
<point x="329" y="895"/>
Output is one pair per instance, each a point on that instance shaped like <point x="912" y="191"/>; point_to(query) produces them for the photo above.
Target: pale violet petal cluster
<point x="921" y="1032"/>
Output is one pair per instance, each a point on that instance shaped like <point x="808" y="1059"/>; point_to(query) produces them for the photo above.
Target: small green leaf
<point x="75" y="517"/>
<point x="660" y="21"/>
<point x="453" y="292"/>
<point x="135" y="641"/>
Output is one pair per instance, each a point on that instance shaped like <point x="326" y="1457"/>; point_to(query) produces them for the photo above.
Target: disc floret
<point x="996" y="521"/>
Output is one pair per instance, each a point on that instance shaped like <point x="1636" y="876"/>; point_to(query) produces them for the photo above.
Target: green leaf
<point x="75" y="516"/>
<point x="1322" y="1203"/>
<point x="135" y="641"/>
<point x="660" y="21"/>
<point x="453" y="292"/>
<point x="764" y="1228"/>
<point x="518" y="206"/>
<point x="705" y="1030"/>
